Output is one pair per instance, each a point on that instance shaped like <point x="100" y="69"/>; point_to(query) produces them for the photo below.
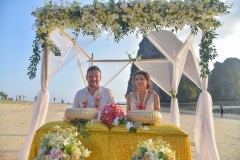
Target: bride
<point x="143" y="98"/>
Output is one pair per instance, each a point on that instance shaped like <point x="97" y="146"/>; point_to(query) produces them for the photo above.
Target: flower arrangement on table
<point x="157" y="149"/>
<point x="62" y="144"/>
<point x="113" y="115"/>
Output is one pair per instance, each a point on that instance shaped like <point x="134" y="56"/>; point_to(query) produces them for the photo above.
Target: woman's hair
<point x="146" y="75"/>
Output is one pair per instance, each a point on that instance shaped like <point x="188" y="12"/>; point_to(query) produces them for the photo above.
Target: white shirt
<point x="106" y="97"/>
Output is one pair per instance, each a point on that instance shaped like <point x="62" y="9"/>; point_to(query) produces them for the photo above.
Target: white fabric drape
<point x="69" y="50"/>
<point x="40" y="108"/>
<point x="174" y="109"/>
<point x="204" y="134"/>
<point x="65" y="46"/>
<point x="175" y="51"/>
<point x="188" y="63"/>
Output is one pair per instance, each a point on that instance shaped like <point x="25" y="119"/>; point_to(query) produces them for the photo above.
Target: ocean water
<point x="192" y="107"/>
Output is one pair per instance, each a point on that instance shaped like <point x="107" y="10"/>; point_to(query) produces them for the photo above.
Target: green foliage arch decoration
<point x="123" y="18"/>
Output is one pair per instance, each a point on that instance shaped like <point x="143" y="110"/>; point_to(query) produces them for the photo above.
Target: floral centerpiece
<point x="111" y="112"/>
<point x="154" y="149"/>
<point x="62" y="144"/>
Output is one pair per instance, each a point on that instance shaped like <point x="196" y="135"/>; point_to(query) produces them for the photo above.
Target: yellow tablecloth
<point x="116" y="143"/>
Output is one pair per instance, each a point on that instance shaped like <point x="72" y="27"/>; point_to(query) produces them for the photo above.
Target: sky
<point x="17" y="35"/>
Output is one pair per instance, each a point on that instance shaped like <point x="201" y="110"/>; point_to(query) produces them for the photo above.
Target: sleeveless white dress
<point x="149" y="104"/>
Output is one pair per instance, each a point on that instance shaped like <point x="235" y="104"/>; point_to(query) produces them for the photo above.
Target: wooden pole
<point x="70" y="38"/>
<point x="127" y="60"/>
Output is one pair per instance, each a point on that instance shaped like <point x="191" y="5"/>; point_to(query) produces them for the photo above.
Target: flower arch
<point x="122" y="18"/>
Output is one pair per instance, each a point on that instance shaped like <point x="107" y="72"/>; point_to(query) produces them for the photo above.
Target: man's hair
<point x="92" y="68"/>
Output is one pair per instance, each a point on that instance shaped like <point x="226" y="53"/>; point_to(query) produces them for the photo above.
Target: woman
<point x="144" y="98"/>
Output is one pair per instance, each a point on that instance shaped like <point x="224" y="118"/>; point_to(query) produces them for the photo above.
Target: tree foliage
<point x="3" y="95"/>
<point x="224" y="80"/>
<point x="187" y="90"/>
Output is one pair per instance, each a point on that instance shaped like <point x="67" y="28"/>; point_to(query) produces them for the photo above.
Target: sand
<point x="15" y="120"/>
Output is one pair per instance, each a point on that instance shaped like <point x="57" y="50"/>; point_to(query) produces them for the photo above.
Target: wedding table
<point x="117" y="143"/>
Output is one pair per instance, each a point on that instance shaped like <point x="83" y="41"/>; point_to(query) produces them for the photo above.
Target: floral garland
<point x="141" y="106"/>
<point x="97" y="100"/>
<point x="122" y="18"/>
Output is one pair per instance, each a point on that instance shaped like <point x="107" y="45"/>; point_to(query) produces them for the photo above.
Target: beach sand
<point x="15" y="120"/>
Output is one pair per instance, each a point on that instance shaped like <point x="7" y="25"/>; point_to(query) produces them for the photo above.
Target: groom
<point x="94" y="95"/>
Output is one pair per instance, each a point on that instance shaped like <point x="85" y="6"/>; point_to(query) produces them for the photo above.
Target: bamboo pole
<point x="70" y="38"/>
<point x="127" y="60"/>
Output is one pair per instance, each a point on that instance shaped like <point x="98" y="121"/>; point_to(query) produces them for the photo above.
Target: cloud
<point x="230" y="21"/>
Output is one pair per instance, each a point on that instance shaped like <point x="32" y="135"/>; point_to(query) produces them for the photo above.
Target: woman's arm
<point x="128" y="103"/>
<point x="156" y="102"/>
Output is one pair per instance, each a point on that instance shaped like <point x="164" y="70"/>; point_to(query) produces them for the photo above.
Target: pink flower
<point x="143" y="105"/>
<point x="56" y="153"/>
<point x="110" y="112"/>
<point x="138" y="104"/>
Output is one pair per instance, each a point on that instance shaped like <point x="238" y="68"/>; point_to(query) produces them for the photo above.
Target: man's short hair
<point x="92" y="68"/>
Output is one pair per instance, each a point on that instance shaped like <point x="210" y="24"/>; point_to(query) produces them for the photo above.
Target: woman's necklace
<point x="141" y="106"/>
<point x="97" y="99"/>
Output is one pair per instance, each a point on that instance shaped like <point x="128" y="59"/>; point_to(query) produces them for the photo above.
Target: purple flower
<point x="56" y="153"/>
<point x="44" y="151"/>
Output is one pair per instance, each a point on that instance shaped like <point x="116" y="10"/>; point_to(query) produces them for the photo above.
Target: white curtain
<point x="175" y="51"/>
<point x="40" y="108"/>
<point x="204" y="134"/>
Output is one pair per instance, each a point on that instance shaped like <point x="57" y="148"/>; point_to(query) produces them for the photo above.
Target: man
<point x="221" y="110"/>
<point x="94" y="95"/>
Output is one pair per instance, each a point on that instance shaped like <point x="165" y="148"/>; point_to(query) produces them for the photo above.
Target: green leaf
<point x="132" y="130"/>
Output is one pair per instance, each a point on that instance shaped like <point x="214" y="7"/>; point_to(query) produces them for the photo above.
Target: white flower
<point x="145" y="128"/>
<point x="116" y="121"/>
<point x="86" y="153"/>
<point x="129" y="125"/>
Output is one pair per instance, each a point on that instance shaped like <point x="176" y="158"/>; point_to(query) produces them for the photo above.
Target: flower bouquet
<point x="153" y="150"/>
<point x="62" y="145"/>
<point x="111" y="113"/>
